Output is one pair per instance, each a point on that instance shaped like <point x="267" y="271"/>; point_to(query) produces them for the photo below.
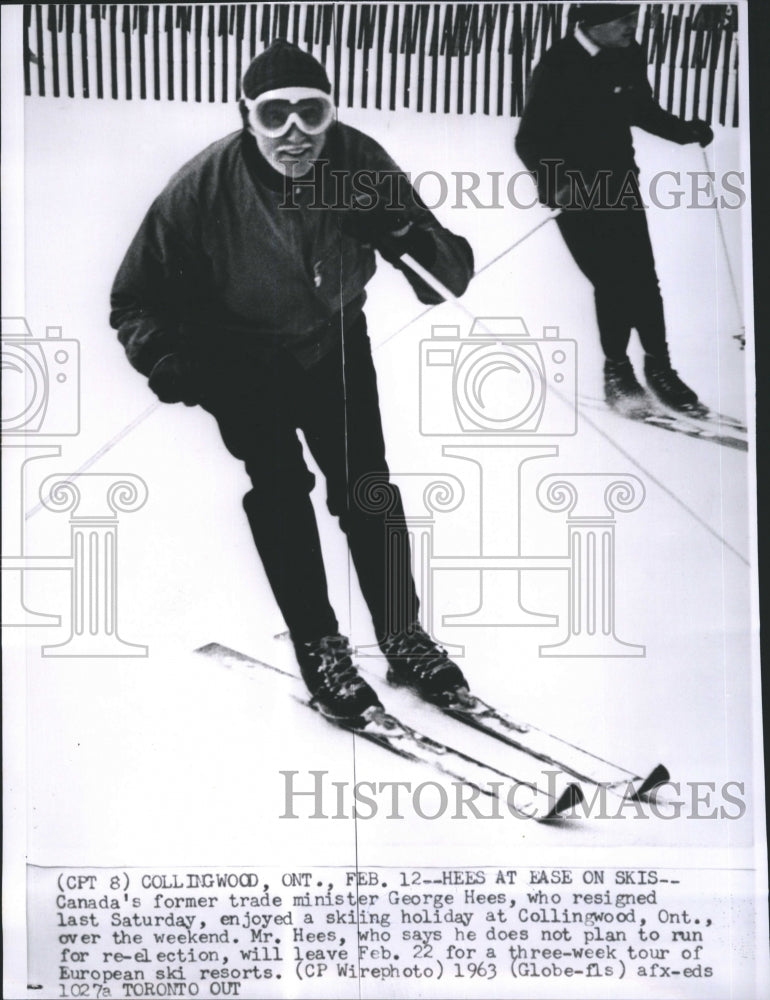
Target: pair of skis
<point x="709" y="426"/>
<point x="571" y="765"/>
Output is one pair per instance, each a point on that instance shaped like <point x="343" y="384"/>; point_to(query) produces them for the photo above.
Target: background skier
<point x="575" y="135"/>
<point x="243" y="291"/>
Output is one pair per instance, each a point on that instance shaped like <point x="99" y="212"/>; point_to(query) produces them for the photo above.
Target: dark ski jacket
<point x="579" y="111"/>
<point x="223" y="269"/>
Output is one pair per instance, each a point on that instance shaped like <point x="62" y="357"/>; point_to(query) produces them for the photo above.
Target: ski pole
<point x="444" y="292"/>
<point x="98" y="454"/>
<point x="733" y="281"/>
<point x="551" y="215"/>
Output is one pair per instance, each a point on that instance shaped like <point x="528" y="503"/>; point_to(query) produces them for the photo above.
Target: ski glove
<point x="415" y="241"/>
<point x="381" y="223"/>
<point x="378" y="209"/>
<point x="173" y="380"/>
<point x="701" y="132"/>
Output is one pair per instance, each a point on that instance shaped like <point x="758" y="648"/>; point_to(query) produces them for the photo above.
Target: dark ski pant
<point x="612" y="248"/>
<point x="335" y="404"/>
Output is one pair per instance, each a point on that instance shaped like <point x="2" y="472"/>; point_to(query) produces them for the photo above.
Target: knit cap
<point x="590" y="14"/>
<point x="283" y="65"/>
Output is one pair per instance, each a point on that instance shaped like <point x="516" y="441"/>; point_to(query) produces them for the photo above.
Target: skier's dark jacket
<point x="219" y="271"/>
<point x="580" y="109"/>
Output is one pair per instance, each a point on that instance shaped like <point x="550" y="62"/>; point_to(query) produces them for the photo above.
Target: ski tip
<point x="220" y="652"/>
<point x="658" y="776"/>
<point x="569" y="798"/>
<point x="233" y="659"/>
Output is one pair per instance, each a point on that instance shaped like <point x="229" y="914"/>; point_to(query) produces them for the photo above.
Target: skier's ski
<point x="679" y="425"/>
<point x="712" y="418"/>
<point x="525" y="797"/>
<point x="553" y="750"/>
<point x="689" y="426"/>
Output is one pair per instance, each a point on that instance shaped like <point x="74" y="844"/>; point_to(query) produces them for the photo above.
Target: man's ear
<point x="244" y="112"/>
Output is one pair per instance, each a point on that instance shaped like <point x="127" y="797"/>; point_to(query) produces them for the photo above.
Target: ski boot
<point x="339" y="692"/>
<point x="670" y="389"/>
<point x="417" y="662"/>
<point x="622" y="391"/>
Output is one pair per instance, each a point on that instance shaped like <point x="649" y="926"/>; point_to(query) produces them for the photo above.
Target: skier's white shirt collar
<point x="591" y="47"/>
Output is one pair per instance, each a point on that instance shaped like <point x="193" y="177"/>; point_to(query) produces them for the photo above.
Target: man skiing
<point x="243" y="292"/>
<point x="575" y="136"/>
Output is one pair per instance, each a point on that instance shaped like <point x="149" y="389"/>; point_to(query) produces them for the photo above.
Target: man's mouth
<point x="294" y="151"/>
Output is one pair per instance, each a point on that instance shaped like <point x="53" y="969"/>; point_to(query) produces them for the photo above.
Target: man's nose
<point x="295" y="133"/>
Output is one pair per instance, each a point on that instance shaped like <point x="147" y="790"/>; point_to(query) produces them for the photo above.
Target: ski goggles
<point x="273" y="113"/>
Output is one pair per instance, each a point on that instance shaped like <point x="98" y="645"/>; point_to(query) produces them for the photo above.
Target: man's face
<point x="617" y="34"/>
<point x="290" y="127"/>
